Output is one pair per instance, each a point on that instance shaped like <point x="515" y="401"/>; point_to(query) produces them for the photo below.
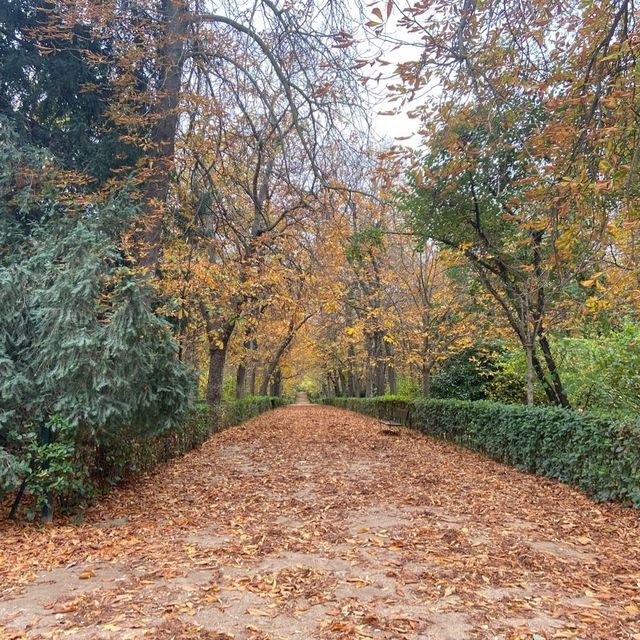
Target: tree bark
<point x="376" y="384"/>
<point x="241" y="378"/>
<point x="217" y="358"/>
<point x="391" y="370"/>
<point x="252" y="381"/>
<point x="553" y="370"/>
<point x="276" y="383"/>
<point x="426" y="379"/>
<point x="530" y="374"/>
<point x="170" y="61"/>
<point x="218" y="337"/>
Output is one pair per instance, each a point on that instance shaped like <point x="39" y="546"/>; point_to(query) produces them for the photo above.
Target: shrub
<point x="73" y="471"/>
<point x="603" y="373"/>
<point x="597" y="454"/>
<point x="464" y="375"/>
<point x="113" y="463"/>
<point x="86" y="361"/>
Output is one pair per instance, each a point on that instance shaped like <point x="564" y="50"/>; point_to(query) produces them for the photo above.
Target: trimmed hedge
<point x="600" y="455"/>
<point x="135" y="455"/>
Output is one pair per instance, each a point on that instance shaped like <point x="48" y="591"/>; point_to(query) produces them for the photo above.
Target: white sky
<point x="389" y="127"/>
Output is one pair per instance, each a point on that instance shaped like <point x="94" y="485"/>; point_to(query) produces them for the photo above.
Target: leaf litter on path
<point x="310" y="522"/>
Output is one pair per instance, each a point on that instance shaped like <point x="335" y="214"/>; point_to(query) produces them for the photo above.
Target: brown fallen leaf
<point x="258" y="612"/>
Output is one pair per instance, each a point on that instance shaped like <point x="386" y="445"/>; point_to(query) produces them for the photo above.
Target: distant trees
<point x="529" y="160"/>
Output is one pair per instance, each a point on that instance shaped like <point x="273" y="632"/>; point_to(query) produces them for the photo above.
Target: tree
<point x="57" y="99"/>
<point x="84" y="359"/>
<point x="535" y="121"/>
<point x="475" y="200"/>
<point x="434" y="316"/>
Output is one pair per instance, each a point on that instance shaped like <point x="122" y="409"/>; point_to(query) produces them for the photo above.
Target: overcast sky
<point x="389" y="127"/>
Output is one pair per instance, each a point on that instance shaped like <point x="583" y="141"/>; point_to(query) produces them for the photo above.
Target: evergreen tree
<point x="56" y="90"/>
<point x="84" y="360"/>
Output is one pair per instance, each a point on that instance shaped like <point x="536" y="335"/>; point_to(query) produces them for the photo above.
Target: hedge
<point x="133" y="456"/>
<point x="600" y="455"/>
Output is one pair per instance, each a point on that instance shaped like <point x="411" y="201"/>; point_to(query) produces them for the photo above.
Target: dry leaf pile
<point x="311" y="522"/>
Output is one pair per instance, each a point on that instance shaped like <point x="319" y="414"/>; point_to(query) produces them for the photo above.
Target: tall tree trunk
<point x="391" y="370"/>
<point x="553" y="370"/>
<point x="344" y="388"/>
<point x="170" y="61"/>
<point x="376" y="383"/>
<point x="333" y="378"/>
<point x="380" y="379"/>
<point x="530" y="375"/>
<point x="241" y="379"/>
<point x="369" y="384"/>
<point x="218" y="337"/>
<point x="276" y="383"/>
<point x="252" y="381"/>
<point x="353" y="380"/>
<point x="241" y="372"/>
<point x="426" y="379"/>
<point x="217" y="358"/>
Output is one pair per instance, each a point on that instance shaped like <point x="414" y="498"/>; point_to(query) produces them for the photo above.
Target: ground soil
<point x="312" y="522"/>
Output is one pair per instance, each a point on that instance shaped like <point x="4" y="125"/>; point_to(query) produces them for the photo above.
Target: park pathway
<point x="312" y="522"/>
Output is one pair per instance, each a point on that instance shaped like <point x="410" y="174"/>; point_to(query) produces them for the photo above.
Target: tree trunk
<point x="369" y="384"/>
<point x="344" y="388"/>
<point x="276" y="383"/>
<point x="426" y="379"/>
<point x="217" y="358"/>
<point x="335" y="384"/>
<point x="241" y="373"/>
<point x="241" y="380"/>
<point x="393" y="380"/>
<point x="353" y="380"/>
<point x="553" y="371"/>
<point x="170" y="61"/>
<point x="46" y="513"/>
<point x="252" y="381"/>
<point x="218" y="344"/>
<point x="391" y="370"/>
<point x="530" y="375"/>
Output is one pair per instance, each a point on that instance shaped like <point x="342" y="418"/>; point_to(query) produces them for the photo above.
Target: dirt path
<point x="310" y="522"/>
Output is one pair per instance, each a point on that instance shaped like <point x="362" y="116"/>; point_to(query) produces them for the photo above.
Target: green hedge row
<point x="133" y="455"/>
<point x="598" y="454"/>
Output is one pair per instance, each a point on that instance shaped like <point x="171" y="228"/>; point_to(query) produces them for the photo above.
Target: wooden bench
<point x="391" y="429"/>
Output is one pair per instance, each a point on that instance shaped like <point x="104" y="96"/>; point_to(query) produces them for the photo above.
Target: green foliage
<point x="603" y="373"/>
<point x="229" y="388"/>
<point x="363" y="243"/>
<point x="464" y="375"/>
<point x="392" y="408"/>
<point x="475" y="169"/>
<point x="508" y="380"/>
<point x="12" y="471"/>
<point x="600" y="373"/>
<point x="56" y="91"/>
<point x="82" y="352"/>
<point x="237" y="411"/>
<point x="598" y="454"/>
<point x="55" y="465"/>
<point x="311" y="387"/>
<point x="408" y="387"/>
